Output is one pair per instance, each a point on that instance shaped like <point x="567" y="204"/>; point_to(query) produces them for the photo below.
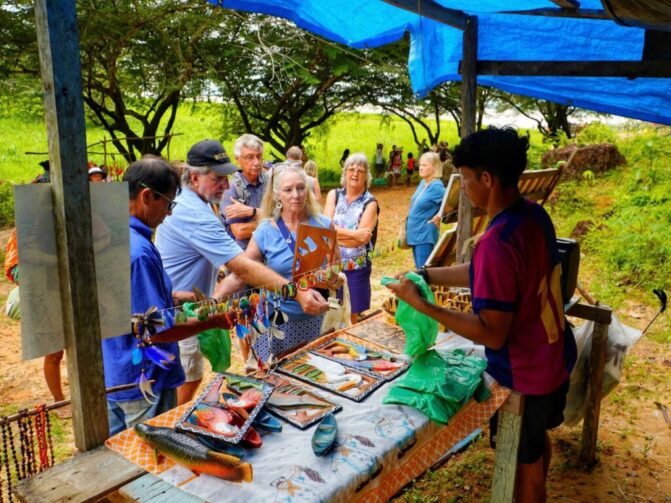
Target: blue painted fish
<point x="187" y="451"/>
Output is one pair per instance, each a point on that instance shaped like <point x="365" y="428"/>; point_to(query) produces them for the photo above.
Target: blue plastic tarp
<point x="436" y="49"/>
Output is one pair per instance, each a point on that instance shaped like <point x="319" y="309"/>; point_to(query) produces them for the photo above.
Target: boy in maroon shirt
<point x="518" y="312"/>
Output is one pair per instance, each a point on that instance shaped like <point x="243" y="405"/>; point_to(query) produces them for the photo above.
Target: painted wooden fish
<point x="292" y="401"/>
<point x="220" y="445"/>
<point x="214" y="419"/>
<point x="325" y="435"/>
<point x="240" y="402"/>
<point x="189" y="452"/>
<point x="377" y="365"/>
<point x="251" y="438"/>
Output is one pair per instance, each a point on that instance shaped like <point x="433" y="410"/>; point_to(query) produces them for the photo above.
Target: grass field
<point x="356" y="131"/>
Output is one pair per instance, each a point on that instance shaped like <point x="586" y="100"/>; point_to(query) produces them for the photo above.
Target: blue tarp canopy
<point x="436" y="48"/>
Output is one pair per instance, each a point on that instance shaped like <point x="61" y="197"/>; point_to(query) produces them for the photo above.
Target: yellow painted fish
<point x="187" y="451"/>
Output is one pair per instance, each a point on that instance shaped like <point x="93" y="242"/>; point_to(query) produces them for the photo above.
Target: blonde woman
<point x="423" y="217"/>
<point x="310" y="168"/>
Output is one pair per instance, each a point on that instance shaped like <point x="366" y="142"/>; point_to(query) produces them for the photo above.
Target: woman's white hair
<point x="269" y="207"/>
<point x="358" y="159"/>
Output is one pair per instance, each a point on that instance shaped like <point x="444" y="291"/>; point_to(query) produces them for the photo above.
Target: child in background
<point x="409" y="169"/>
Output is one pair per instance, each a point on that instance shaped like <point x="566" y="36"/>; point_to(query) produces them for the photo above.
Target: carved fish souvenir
<point x="214" y="419"/>
<point x="187" y="451"/>
<point x="291" y="401"/>
<point x="324" y="436"/>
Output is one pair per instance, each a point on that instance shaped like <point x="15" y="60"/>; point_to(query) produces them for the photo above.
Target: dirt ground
<point x="634" y="447"/>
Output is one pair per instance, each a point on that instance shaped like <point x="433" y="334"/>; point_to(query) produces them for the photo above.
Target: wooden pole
<point x="597" y="361"/>
<point x="58" y="41"/>
<point x="507" y="445"/>
<point x="468" y="110"/>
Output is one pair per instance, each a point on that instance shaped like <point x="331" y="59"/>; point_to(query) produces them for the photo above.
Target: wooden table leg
<point x="507" y="444"/>
<point x="590" y="427"/>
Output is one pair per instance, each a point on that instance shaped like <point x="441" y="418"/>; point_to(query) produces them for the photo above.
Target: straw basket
<point x="457" y="299"/>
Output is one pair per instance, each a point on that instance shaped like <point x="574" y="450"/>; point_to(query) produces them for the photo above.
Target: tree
<point x="553" y="116"/>
<point x="284" y="82"/>
<point x="137" y="61"/>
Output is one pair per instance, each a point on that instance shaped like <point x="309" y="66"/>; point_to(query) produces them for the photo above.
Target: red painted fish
<point x="187" y="451"/>
<point x="214" y="419"/>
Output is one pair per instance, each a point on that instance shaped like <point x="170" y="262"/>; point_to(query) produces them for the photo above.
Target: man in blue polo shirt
<point x="239" y="206"/>
<point x="194" y="246"/>
<point x="152" y="185"/>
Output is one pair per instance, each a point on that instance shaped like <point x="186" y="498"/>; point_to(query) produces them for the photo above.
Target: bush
<point x="596" y="132"/>
<point x="6" y="204"/>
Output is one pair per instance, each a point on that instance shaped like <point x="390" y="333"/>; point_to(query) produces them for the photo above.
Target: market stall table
<point x="379" y="449"/>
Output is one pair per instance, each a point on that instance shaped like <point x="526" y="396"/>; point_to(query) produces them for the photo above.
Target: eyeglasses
<point x="171" y="202"/>
<point x="252" y="157"/>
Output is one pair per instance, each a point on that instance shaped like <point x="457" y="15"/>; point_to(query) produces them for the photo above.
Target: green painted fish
<point x="189" y="452"/>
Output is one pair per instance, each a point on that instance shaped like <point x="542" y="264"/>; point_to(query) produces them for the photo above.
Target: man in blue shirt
<point x="194" y="246"/>
<point x="152" y="186"/>
<point x="239" y="206"/>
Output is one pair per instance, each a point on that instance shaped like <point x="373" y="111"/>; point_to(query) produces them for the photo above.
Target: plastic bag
<point x="439" y="386"/>
<point x="340" y="317"/>
<point x="420" y="329"/>
<point x="620" y="339"/>
<point x="432" y="405"/>
<point x="12" y="306"/>
<point x="215" y="343"/>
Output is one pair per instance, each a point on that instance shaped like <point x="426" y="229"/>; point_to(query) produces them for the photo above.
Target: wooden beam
<point x="85" y="477"/>
<point x="469" y="88"/>
<point x="507" y="445"/>
<point x="58" y="41"/>
<point x="590" y="427"/>
<point x="567" y="13"/>
<point x="597" y="314"/>
<point x="432" y="10"/>
<point x="627" y="69"/>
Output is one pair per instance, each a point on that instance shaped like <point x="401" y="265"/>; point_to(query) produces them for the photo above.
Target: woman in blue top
<point x="423" y="218"/>
<point x="287" y="203"/>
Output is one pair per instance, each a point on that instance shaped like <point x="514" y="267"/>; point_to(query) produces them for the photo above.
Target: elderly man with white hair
<point x="239" y="206"/>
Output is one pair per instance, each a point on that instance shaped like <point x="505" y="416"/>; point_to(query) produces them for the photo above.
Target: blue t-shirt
<point x="424" y="205"/>
<point x="279" y="257"/>
<point x="194" y="244"/>
<point x="253" y="199"/>
<point x="149" y="286"/>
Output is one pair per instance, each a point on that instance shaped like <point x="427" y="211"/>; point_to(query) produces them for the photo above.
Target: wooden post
<point x="597" y="361"/>
<point x="507" y="444"/>
<point x="58" y="41"/>
<point x="468" y="111"/>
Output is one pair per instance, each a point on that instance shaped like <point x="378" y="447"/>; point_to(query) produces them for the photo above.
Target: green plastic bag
<point x="432" y="405"/>
<point x="420" y="330"/>
<point x="215" y="343"/>
<point x="454" y="381"/>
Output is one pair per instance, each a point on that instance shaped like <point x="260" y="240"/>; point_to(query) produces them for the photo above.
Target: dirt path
<point x="634" y="439"/>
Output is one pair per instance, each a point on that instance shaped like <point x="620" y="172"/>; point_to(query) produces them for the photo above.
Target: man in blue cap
<point x="194" y="246"/>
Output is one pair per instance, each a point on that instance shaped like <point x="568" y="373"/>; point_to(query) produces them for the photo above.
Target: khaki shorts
<point x="192" y="359"/>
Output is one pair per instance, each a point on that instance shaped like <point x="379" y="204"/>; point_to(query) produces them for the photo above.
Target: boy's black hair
<point x="501" y="152"/>
<point x="154" y="173"/>
<point x="410" y="155"/>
